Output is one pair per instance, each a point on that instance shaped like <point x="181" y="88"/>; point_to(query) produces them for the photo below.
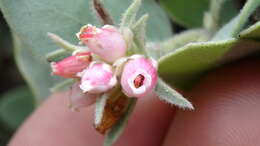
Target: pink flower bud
<point x="139" y="76"/>
<point x="70" y="66"/>
<point x="97" y="78"/>
<point x="78" y="99"/>
<point x="107" y="42"/>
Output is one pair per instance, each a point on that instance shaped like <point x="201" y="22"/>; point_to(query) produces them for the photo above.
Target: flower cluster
<point x="105" y="65"/>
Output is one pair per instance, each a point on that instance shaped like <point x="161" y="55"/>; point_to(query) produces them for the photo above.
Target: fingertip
<point x="148" y="124"/>
<point x="227" y="106"/>
<point x="54" y="124"/>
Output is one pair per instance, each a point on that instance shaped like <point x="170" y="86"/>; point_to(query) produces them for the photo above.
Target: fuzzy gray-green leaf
<point x="129" y="16"/>
<point x="253" y="32"/>
<point x="179" y="40"/>
<point x="242" y="48"/>
<point x="57" y="55"/>
<point x="157" y="50"/>
<point x="30" y="20"/>
<point x="139" y="30"/>
<point x="232" y="29"/>
<point x="166" y="93"/>
<point x="182" y="65"/>
<point x="212" y="17"/>
<point x="243" y="16"/>
<point x="226" y="31"/>
<point x="62" y="43"/>
<point x="118" y="128"/>
<point x="158" y="26"/>
<point x="36" y="72"/>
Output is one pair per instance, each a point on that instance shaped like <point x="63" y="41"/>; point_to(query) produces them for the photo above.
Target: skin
<point x="227" y="108"/>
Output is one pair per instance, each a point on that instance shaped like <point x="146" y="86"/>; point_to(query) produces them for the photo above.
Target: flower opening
<point x="139" y="77"/>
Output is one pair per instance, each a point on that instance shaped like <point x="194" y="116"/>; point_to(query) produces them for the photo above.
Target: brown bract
<point x="114" y="109"/>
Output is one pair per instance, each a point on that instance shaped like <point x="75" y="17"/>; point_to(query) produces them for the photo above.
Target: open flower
<point x="70" y="66"/>
<point x="107" y="42"/>
<point x="139" y="76"/>
<point x="97" y="78"/>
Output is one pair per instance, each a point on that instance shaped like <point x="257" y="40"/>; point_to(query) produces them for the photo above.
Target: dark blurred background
<point x="12" y="88"/>
<point x="10" y="76"/>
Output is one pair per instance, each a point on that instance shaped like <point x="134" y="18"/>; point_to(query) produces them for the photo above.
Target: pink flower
<point x="139" y="76"/>
<point x="97" y="78"/>
<point x="78" y="99"/>
<point x="70" y="66"/>
<point x="107" y="42"/>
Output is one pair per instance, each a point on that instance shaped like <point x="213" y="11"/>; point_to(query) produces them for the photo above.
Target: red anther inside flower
<point x="139" y="81"/>
<point x="139" y="76"/>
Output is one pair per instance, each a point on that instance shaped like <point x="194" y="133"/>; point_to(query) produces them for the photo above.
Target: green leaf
<point x="168" y="94"/>
<point x="57" y="55"/>
<point x="242" y="48"/>
<point x="117" y="129"/>
<point x="15" y="106"/>
<point x="232" y="29"/>
<point x="100" y="107"/>
<point x="212" y="17"/>
<point x="186" y="64"/>
<point x="62" y="43"/>
<point x="253" y="32"/>
<point x="31" y="20"/>
<point x="158" y="26"/>
<point x="186" y="12"/>
<point x="36" y="72"/>
<point x="219" y="13"/>
<point x="182" y="65"/>
<point x="139" y="30"/>
<point x="157" y="50"/>
<point x="67" y="48"/>
<point x="226" y="31"/>
<point x="190" y="13"/>
<point x="129" y="16"/>
<point x="243" y="16"/>
<point x="230" y="7"/>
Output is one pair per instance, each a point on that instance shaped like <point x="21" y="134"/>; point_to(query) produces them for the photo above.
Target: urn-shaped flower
<point x="106" y="42"/>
